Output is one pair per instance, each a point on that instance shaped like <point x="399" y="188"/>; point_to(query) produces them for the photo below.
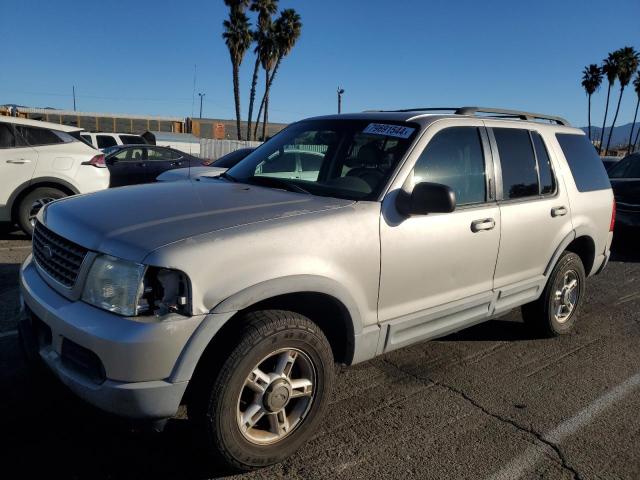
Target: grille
<point x="57" y="256"/>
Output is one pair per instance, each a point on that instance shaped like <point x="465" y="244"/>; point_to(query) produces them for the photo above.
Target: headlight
<point x="131" y="289"/>
<point x="114" y="285"/>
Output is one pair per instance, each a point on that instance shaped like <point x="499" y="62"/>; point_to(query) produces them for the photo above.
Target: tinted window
<point x="105" y="141"/>
<point x="160" y="154"/>
<point x="547" y="181"/>
<point x="132" y="139"/>
<point x="87" y="139"/>
<point x="629" y="167"/>
<point x="7" y="138"/>
<point x="586" y="167"/>
<point x="519" y="175"/>
<point x="38" y="136"/>
<point x="280" y="163"/>
<point x="131" y="154"/>
<point x="454" y="158"/>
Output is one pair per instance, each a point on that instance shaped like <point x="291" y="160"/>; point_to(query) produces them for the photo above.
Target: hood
<point x="192" y="172"/>
<point x="130" y="222"/>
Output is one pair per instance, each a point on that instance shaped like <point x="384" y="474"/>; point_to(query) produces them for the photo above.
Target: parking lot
<point x="488" y="402"/>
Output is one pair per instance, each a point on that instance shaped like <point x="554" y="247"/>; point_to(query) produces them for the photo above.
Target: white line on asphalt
<point x="532" y="455"/>
<point x="10" y="333"/>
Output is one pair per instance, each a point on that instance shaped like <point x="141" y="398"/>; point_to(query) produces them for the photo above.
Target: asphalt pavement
<point x="490" y="402"/>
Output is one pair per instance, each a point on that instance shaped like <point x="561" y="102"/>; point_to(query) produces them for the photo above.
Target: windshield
<point x="350" y="159"/>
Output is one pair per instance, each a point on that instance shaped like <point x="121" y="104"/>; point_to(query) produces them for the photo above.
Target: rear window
<point x="132" y="139"/>
<point x="41" y="136"/>
<point x="105" y="141"/>
<point x="586" y="167"/>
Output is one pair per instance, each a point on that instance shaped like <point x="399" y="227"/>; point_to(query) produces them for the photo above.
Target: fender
<point x="571" y="236"/>
<point x="34" y="182"/>
<point x="225" y="310"/>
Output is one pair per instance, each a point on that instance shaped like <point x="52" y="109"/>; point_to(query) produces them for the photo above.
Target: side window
<point x="105" y="141"/>
<point x="454" y="157"/>
<point x="7" y="138"/>
<point x="547" y="181"/>
<point x="132" y="154"/>
<point x="586" y="167"/>
<point x="518" y="164"/>
<point x="38" y="136"/>
<point x="132" y="140"/>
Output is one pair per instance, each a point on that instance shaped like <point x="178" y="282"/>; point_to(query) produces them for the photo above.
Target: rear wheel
<point x="268" y="396"/>
<point x="32" y="203"/>
<point x="555" y="312"/>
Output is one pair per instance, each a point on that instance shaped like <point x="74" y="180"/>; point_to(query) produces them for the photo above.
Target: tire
<point x="543" y="316"/>
<point x="31" y="204"/>
<point x="223" y="399"/>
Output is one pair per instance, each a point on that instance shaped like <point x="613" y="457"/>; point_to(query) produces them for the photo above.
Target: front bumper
<point x="129" y="364"/>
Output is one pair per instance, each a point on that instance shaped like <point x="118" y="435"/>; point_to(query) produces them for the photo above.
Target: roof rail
<point x="495" y="112"/>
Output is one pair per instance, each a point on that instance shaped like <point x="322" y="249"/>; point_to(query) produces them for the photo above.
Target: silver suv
<point x="236" y="295"/>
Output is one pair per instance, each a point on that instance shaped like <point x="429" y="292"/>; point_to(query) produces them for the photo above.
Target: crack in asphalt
<point x="562" y="460"/>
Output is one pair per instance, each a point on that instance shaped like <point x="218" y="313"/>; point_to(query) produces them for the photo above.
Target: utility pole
<point x="74" y="98"/>
<point x="201" y="95"/>
<point x="340" y="92"/>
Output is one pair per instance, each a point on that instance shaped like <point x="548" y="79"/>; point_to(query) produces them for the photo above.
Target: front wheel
<point x="268" y="396"/>
<point x="555" y="312"/>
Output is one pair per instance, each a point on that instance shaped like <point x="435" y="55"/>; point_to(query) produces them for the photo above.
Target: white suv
<point x="41" y="162"/>
<point x="106" y="140"/>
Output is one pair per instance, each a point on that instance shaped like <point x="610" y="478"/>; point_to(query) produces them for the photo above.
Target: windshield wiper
<point x="276" y="183"/>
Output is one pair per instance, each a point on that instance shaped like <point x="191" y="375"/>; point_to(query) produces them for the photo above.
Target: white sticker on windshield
<point x="389" y="130"/>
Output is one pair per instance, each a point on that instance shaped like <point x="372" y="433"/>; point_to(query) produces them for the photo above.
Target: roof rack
<point x="495" y="112"/>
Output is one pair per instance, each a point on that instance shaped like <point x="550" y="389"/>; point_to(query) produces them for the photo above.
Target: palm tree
<point x="265" y="9"/>
<point x="628" y="60"/>
<point x="636" y="87"/>
<point x="591" y="80"/>
<point x="287" y="29"/>
<point x="237" y="36"/>
<point x="610" y="69"/>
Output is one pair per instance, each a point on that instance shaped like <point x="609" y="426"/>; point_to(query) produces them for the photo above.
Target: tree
<point x="287" y="29"/>
<point x="237" y="36"/>
<point x="610" y="69"/>
<point x="591" y="80"/>
<point x="636" y="88"/>
<point x="628" y="60"/>
<point x="265" y="9"/>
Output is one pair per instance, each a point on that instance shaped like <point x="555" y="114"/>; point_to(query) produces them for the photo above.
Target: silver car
<point x="236" y="295"/>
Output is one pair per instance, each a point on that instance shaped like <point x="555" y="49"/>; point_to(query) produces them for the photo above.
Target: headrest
<point x="369" y="156"/>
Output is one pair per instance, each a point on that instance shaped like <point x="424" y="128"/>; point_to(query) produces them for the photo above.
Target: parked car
<point x="609" y="162"/>
<point x="210" y="168"/>
<point x="133" y="164"/>
<point x="247" y="288"/>
<point x="625" y="181"/>
<point x="41" y="162"/>
<point x="105" y="140"/>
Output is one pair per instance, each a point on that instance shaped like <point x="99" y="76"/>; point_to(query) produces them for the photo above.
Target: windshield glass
<point x="350" y="159"/>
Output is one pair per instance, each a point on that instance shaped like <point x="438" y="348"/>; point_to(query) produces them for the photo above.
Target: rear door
<point x="534" y="209"/>
<point x="127" y="166"/>
<point x="162" y="159"/>
<point x="17" y="163"/>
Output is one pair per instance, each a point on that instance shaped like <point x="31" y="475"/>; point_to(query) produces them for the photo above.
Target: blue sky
<point x="139" y="56"/>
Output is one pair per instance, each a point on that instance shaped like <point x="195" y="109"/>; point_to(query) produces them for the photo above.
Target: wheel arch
<point x="28" y="187"/>
<point x="580" y="243"/>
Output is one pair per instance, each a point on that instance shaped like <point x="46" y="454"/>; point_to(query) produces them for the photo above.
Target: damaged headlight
<point x="131" y="289"/>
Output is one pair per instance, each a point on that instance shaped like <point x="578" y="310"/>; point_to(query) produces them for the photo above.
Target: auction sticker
<point x="389" y="130"/>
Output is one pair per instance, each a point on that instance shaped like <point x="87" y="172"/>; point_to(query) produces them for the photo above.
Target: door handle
<point x="19" y="161"/>
<point x="558" y="211"/>
<point x="484" y="224"/>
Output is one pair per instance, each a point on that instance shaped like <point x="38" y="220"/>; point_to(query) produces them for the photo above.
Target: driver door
<point x="437" y="269"/>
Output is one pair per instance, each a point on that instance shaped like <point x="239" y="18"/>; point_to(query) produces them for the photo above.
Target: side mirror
<point x="426" y="198"/>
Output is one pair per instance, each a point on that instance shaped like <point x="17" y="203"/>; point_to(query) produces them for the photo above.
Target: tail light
<point x="97" y="161"/>
<point x="613" y="216"/>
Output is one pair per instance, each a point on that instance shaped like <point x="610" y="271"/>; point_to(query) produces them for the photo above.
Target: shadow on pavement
<point x="499" y="330"/>
<point x="11" y="232"/>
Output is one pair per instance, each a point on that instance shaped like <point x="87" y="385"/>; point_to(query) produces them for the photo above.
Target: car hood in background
<point x="186" y="173"/>
<point x="130" y="222"/>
